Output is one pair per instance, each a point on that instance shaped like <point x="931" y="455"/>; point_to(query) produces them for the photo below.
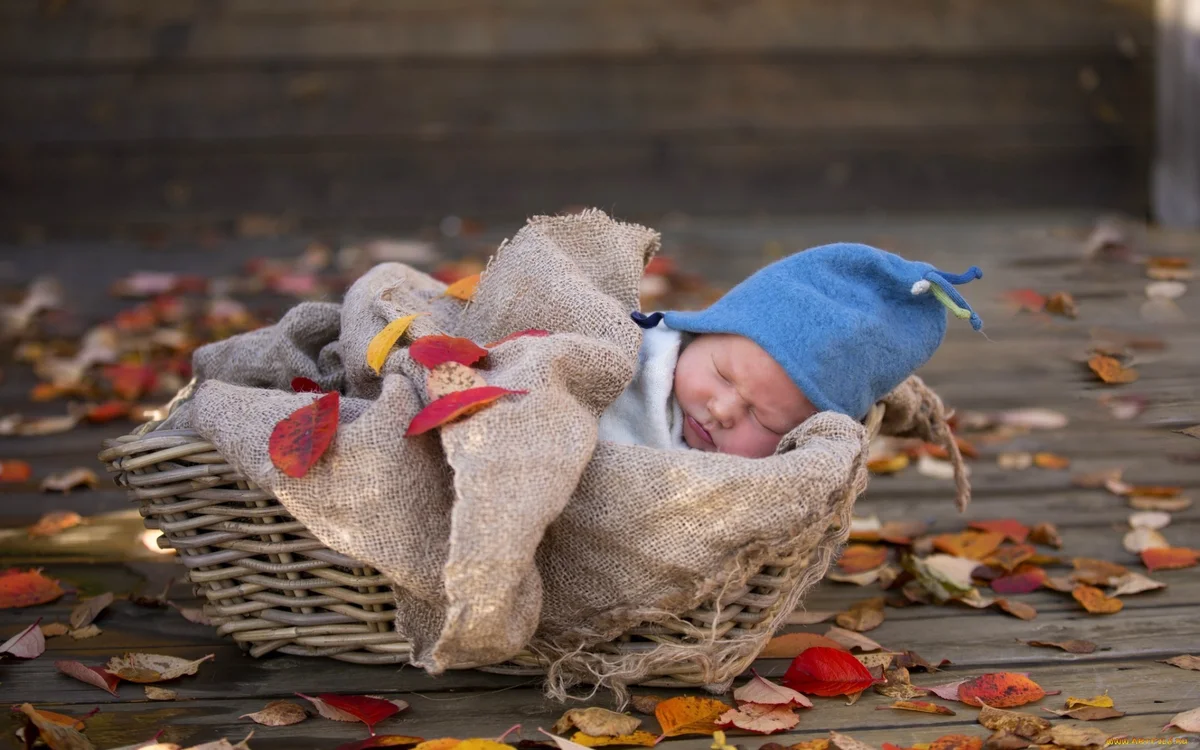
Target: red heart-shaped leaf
<point x="827" y="671"/>
<point x="301" y="384"/>
<point x="432" y="351"/>
<point x="300" y="439"/>
<point x="517" y="335"/>
<point x="454" y="405"/>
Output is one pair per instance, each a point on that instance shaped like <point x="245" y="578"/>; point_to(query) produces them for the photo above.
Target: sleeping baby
<point x="834" y="328"/>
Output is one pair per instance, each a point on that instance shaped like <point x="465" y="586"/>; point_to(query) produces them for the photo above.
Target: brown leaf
<point x="876" y="659"/>
<point x="54" y="629"/>
<point x="1005" y="741"/>
<point x="1009" y="556"/>
<point x="762" y="719"/>
<point x="913" y="661"/>
<point x="848" y="640"/>
<point x="451" y="377"/>
<point x="155" y="693"/>
<point x="922" y="706"/>
<point x="1046" y="533"/>
<point x="897" y="685"/>
<point x="54" y="522"/>
<point x="1110" y="370"/>
<point x="1017" y="609"/>
<point x="1022" y="724"/>
<point x="88" y="631"/>
<point x="863" y="616"/>
<point x="142" y="668"/>
<point x="55" y="735"/>
<point x="1095" y="602"/>
<point x="1184" y="661"/>
<point x="277" y="714"/>
<point x="68" y="480"/>
<point x="1073" y="737"/>
<point x="86" y="612"/>
<point x="645" y="704"/>
<point x="1089" y="713"/>
<point x="791" y="645"/>
<point x="1188" y="721"/>
<point x="1101" y="569"/>
<point x="1051" y="461"/>
<point x="1071" y="646"/>
<point x="845" y="742"/>
<point x="1062" y="303"/>
<point x="597" y="722"/>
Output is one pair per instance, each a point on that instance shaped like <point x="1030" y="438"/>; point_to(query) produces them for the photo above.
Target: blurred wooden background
<point x="125" y="114"/>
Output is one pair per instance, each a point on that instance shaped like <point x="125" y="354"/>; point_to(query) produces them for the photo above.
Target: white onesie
<point x="646" y="413"/>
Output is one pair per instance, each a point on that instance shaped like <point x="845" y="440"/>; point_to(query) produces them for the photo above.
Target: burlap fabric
<point x="515" y="528"/>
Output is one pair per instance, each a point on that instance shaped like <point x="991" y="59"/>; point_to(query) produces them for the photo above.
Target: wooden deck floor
<point x="1026" y="361"/>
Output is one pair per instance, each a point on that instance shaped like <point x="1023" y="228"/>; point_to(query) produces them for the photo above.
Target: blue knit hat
<point x="848" y="322"/>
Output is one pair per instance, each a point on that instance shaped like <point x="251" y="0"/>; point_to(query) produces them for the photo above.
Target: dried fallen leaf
<point x="758" y="718"/>
<point x="1074" y="737"/>
<point x="1025" y="579"/>
<point x="277" y="714"/>
<point x="54" y="522"/>
<point x="946" y="691"/>
<point x="1100" y="701"/>
<point x="1011" y="528"/>
<point x="863" y="616"/>
<point x="809" y="617"/>
<point x="1071" y="646"/>
<point x="57" y="736"/>
<point x="455" y="406"/>
<point x="876" y="660"/>
<point x="97" y="676"/>
<point x="975" y="545"/>
<point x="155" y="693"/>
<point x="84" y="613"/>
<point x="1184" y="661"/>
<point x="143" y="668"/>
<point x="888" y="464"/>
<point x="1019" y="461"/>
<point x="1140" y="538"/>
<point x="364" y="708"/>
<point x="791" y="645"/>
<point x="639" y="738"/>
<point x="381" y="343"/>
<point x="26" y="588"/>
<point x="922" y="706"/>
<point x="1025" y="300"/>
<point x="1188" y="721"/>
<point x="1096" y="572"/>
<point x="451" y="377"/>
<point x="827" y="672"/>
<point x="1017" y="609"/>
<point x="1015" y="722"/>
<point x="944" y="576"/>
<point x="65" y="481"/>
<point x="763" y="691"/>
<point x="850" y="640"/>
<point x="1110" y="370"/>
<point x="897" y="685"/>
<point x="645" y="704"/>
<point x="30" y="643"/>
<point x="1167" y="504"/>
<point x="913" y="661"/>
<point x="464" y="288"/>
<point x="857" y="558"/>
<point x="14" y="471"/>
<point x="1000" y="690"/>
<point x="844" y="742"/>
<point x="1133" y="583"/>
<point x="1010" y="556"/>
<point x="1088" y="713"/>
<point x="689" y="714"/>
<point x="1046" y="533"/>
<point x="87" y="631"/>
<point x="1095" y="602"/>
<point x="1059" y="583"/>
<point x="1051" y="461"/>
<point x="1163" y="558"/>
<point x="1150" y="519"/>
<point x="299" y="440"/>
<point x="596" y="721"/>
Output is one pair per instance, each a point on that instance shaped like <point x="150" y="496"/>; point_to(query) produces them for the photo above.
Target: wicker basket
<point x="272" y="586"/>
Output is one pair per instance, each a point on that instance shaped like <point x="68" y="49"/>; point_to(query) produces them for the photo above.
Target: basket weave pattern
<point x="272" y="586"/>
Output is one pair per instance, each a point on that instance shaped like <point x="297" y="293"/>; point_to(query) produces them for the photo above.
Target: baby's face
<point x="735" y="397"/>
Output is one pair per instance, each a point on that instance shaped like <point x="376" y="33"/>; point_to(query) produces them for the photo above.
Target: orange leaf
<point x="1167" y="261"/>
<point x="453" y="406"/>
<point x="1023" y="580"/>
<point x="1050" y="461"/>
<point x="14" y="470"/>
<point x="688" y="714"/>
<point x="527" y="332"/>
<point x="464" y="288"/>
<point x="888" y="464"/>
<point x="1062" y="303"/>
<point x="26" y="588"/>
<point x="1154" y="491"/>
<point x="1095" y="601"/>
<point x="299" y="440"/>
<point x="1009" y="527"/>
<point x="857" y="558"/>
<point x="1109" y="370"/>
<point x="791" y="645"/>
<point x="975" y="545"/>
<point x="1026" y="299"/>
<point x="60" y="719"/>
<point x="432" y="351"/>
<point x="956" y="742"/>
<point x="54" y="522"/>
<point x="1169" y="558"/>
<point x="1000" y="690"/>
<point x="922" y="706"/>
<point x="107" y="411"/>
<point x="1017" y="609"/>
<point x="827" y="672"/>
<point x="1009" y="556"/>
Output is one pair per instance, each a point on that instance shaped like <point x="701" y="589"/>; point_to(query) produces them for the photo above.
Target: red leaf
<point x="28" y="644"/>
<point x="299" y="440"/>
<point x="107" y="411"/>
<point x="454" y="405"/>
<point x="1025" y="579"/>
<point x="527" y="332"/>
<point x="26" y="588"/>
<point x="369" y="711"/>
<point x="827" y="671"/>
<point x="1000" y="690"/>
<point x="15" y="470"/>
<point x="1169" y="558"/>
<point x="302" y="384"/>
<point x="97" y="676"/>
<point x="131" y="382"/>
<point x="381" y="740"/>
<point x="1011" y="528"/>
<point x="432" y="351"/>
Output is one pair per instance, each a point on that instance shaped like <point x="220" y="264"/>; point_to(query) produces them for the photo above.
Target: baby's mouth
<point x="699" y="430"/>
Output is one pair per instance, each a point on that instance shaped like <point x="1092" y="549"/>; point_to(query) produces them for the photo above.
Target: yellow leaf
<point x="442" y="743"/>
<point x="476" y="743"/>
<point x="464" y="288"/>
<point x="689" y="714"/>
<point x="1100" y="701"/>
<point x="640" y="737"/>
<point x="381" y="346"/>
<point x="888" y="464"/>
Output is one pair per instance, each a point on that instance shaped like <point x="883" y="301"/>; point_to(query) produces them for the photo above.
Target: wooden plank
<point x="1138" y="691"/>
<point x="125" y="31"/>
<point x="1018" y="100"/>
<point x="402" y="184"/>
<point x="1177" y="166"/>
